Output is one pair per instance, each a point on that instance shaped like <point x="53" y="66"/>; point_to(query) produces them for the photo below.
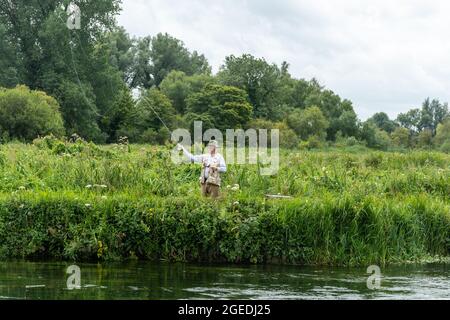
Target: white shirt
<point x="209" y="160"/>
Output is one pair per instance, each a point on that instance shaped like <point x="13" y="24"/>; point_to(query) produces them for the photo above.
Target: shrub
<point x="27" y="114"/>
<point x="339" y="231"/>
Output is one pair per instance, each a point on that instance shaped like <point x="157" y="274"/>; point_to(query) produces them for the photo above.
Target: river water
<point x="146" y="280"/>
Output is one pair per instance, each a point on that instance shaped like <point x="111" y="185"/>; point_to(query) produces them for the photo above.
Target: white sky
<point x="384" y="55"/>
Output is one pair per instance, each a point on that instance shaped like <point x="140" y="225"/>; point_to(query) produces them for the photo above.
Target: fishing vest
<point x="213" y="177"/>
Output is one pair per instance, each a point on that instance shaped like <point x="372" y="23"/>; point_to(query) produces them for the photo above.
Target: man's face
<point x="211" y="149"/>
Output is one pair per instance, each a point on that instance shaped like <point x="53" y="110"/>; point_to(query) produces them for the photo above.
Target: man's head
<point x="212" y="146"/>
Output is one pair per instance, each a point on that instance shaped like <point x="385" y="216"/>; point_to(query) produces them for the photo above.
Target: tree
<point x="118" y="114"/>
<point x="120" y="52"/>
<point x="295" y="92"/>
<point x="156" y="57"/>
<point x="227" y="107"/>
<point x="308" y="122"/>
<point x="79" y="112"/>
<point x="10" y="65"/>
<point x="382" y="121"/>
<point x="374" y="137"/>
<point x="433" y="113"/>
<point x="177" y="86"/>
<point x="259" y="79"/>
<point x="425" y="138"/>
<point x="27" y="114"/>
<point x="150" y="119"/>
<point x="442" y="138"/>
<point x="410" y="120"/>
<point x="287" y="138"/>
<point x="347" y="123"/>
<point x="401" y="137"/>
<point x="333" y="109"/>
<point x="62" y="61"/>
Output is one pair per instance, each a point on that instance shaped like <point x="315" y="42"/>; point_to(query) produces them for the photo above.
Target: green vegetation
<point x="350" y="207"/>
<point x="92" y="73"/>
<point x="27" y="114"/>
<point x="78" y="200"/>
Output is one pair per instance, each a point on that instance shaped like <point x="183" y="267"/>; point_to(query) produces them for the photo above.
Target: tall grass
<point x="81" y="201"/>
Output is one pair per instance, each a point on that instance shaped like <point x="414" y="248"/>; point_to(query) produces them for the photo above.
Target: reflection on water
<point x="145" y="280"/>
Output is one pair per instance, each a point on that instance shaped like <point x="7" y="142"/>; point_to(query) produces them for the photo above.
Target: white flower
<point x="88" y="205"/>
<point x="89" y="186"/>
<point x="236" y="203"/>
<point x="235" y="187"/>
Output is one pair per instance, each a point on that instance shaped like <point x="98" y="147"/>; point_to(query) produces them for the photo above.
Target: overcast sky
<point x="383" y="55"/>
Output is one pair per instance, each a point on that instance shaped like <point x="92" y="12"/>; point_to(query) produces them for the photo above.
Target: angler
<point x="213" y="165"/>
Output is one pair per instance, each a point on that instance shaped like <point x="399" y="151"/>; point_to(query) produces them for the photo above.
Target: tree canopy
<point x="107" y="84"/>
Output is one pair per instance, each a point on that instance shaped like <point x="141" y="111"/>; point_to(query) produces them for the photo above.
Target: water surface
<point x="147" y="280"/>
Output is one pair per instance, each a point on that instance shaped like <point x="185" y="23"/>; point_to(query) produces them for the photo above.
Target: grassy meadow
<point x="80" y="201"/>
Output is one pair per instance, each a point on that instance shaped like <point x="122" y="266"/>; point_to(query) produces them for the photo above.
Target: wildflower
<point x="88" y="205"/>
<point x="89" y="186"/>
<point x="235" y="187"/>
<point x="236" y="203"/>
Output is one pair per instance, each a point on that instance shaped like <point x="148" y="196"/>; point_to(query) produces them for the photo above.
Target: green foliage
<point x="288" y="137"/>
<point x="75" y="200"/>
<point x="382" y="121"/>
<point x="156" y="57"/>
<point x="147" y="120"/>
<point x="433" y="113"/>
<point x="308" y="122"/>
<point x="26" y="114"/>
<point x="225" y="106"/>
<point x="374" y="137"/>
<point x="70" y="66"/>
<point x="80" y="111"/>
<point x="259" y="79"/>
<point x="425" y="138"/>
<point x="442" y="139"/>
<point x="118" y="115"/>
<point x="177" y="86"/>
<point x="342" y="231"/>
<point x="401" y="137"/>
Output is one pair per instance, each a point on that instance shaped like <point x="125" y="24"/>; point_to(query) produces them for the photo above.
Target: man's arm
<point x="222" y="165"/>
<point x="191" y="157"/>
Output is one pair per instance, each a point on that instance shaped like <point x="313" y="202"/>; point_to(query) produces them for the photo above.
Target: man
<point x="213" y="165"/>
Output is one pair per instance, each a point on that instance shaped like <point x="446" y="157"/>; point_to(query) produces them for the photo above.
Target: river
<point x="147" y="280"/>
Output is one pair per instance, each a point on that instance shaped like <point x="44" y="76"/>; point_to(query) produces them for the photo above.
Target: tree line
<point x="93" y="75"/>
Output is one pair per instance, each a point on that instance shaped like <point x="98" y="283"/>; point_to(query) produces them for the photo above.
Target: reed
<point x="85" y="202"/>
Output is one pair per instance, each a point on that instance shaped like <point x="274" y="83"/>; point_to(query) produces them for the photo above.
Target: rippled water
<point x="145" y="280"/>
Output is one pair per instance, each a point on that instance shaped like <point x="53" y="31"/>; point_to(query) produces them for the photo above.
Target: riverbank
<point x="83" y="202"/>
<point x="311" y="231"/>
